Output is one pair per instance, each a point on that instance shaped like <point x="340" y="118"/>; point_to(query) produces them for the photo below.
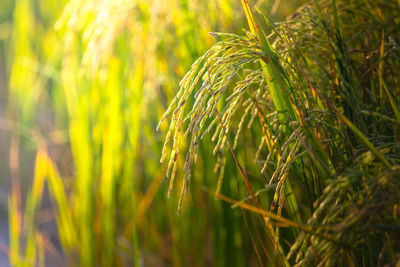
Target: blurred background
<point x="83" y="85"/>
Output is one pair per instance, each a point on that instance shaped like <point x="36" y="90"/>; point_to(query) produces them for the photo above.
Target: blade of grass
<point x="365" y="140"/>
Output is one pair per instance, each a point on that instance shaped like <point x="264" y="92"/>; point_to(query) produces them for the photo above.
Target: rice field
<point x="200" y="133"/>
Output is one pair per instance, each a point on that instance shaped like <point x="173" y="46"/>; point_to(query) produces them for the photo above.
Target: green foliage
<point x="294" y="123"/>
<point x="311" y="86"/>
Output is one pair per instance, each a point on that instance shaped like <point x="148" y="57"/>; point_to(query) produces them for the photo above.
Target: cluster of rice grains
<point x="224" y="65"/>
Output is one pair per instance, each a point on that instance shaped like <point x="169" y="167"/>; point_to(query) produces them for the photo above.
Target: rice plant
<point x="318" y="97"/>
<point x="281" y="142"/>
